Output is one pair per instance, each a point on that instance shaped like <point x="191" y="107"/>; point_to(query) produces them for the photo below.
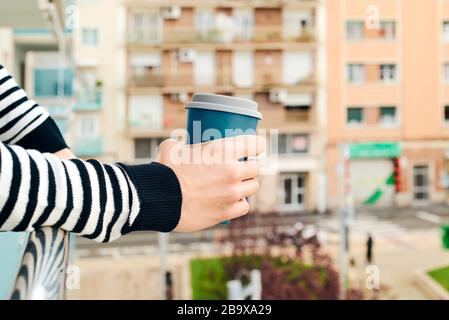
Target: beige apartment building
<point x="262" y="50"/>
<point x="387" y="101"/>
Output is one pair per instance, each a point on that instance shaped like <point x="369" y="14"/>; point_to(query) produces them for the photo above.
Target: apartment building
<point x="99" y="48"/>
<point x="40" y="64"/>
<point x="262" y="50"/>
<point x="387" y="101"/>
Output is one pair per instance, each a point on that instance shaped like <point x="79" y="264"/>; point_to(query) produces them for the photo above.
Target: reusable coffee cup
<point x="230" y="116"/>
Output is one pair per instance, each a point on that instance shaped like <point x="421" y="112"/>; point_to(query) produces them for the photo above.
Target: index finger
<point x="244" y="146"/>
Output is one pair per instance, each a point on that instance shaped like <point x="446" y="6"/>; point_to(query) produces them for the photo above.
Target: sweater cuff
<point x="160" y="197"/>
<point x="45" y="138"/>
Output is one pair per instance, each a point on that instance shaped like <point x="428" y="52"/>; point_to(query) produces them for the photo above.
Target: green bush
<point x="441" y="276"/>
<point x="281" y="278"/>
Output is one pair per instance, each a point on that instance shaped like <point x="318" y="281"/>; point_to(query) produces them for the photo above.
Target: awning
<point x="29" y="13"/>
<point x="298" y="100"/>
<point x="146" y="59"/>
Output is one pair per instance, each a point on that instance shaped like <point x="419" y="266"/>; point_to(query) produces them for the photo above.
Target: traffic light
<point x="396" y="175"/>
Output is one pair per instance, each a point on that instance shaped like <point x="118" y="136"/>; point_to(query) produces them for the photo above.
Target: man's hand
<point x="213" y="181"/>
<point x="65" y="154"/>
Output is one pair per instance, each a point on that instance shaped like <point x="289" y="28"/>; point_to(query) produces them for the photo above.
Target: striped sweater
<point x="95" y="200"/>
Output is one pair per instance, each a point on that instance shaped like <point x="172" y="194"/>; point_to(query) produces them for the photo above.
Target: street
<point x="406" y="241"/>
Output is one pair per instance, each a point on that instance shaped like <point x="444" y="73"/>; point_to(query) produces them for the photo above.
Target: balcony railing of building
<point x="89" y="100"/>
<point x="263" y="80"/>
<point x="42" y="271"/>
<point x="88" y="146"/>
<point x="135" y="125"/>
<point x="186" y="35"/>
<point x="156" y="79"/>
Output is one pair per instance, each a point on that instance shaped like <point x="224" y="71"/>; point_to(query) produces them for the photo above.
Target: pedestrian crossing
<point x="364" y="225"/>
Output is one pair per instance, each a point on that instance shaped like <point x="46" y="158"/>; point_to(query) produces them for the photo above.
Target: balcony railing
<point x="144" y="37"/>
<point x="90" y="100"/>
<point x="88" y="147"/>
<point x="42" y="271"/>
<point x="149" y="79"/>
<point x="190" y="35"/>
<point x="264" y="79"/>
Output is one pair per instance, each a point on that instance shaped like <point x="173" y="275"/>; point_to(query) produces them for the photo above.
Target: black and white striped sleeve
<point x="23" y="121"/>
<point x="98" y="201"/>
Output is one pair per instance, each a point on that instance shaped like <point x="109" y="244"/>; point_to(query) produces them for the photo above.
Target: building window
<point x="87" y="127"/>
<point x="446" y="113"/>
<point x="387" y="73"/>
<point x="293" y="144"/>
<point x="446" y="73"/>
<point x="146" y="27"/>
<point x="89" y="36"/>
<point x="354" y="116"/>
<point x="292" y="191"/>
<point x="355" y="73"/>
<point x="354" y="30"/>
<point x="387" y="115"/>
<point x="204" y="68"/>
<point x="446" y="31"/>
<point x="146" y="112"/>
<point x="53" y="82"/>
<point x="388" y="30"/>
<point x="146" y="69"/>
<point x="204" y="23"/>
<point x="244" y="24"/>
<point x="146" y="148"/>
<point x="421" y="182"/>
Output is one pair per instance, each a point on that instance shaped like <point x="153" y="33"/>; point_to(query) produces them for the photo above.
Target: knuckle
<point x="233" y="194"/>
<point x="233" y="173"/>
<point x="164" y="144"/>
<point x="256" y="168"/>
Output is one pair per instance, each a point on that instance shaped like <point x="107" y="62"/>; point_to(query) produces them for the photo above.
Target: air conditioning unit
<point x="186" y="55"/>
<point x="179" y="97"/>
<point x="278" y="96"/>
<point x="172" y="12"/>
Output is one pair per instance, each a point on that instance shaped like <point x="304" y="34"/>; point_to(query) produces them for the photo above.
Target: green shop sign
<point x="374" y="150"/>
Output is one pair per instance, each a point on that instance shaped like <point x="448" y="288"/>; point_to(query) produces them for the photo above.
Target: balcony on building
<point x="88" y="146"/>
<point x="189" y="35"/>
<point x="145" y="70"/>
<point x="221" y="26"/>
<point x="286" y="109"/>
<point x="145" y="113"/>
<point x="89" y="100"/>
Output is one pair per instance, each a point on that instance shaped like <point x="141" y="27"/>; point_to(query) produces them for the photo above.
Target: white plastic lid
<point x="218" y="102"/>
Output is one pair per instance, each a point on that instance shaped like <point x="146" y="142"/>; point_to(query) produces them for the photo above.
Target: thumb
<point x="170" y="151"/>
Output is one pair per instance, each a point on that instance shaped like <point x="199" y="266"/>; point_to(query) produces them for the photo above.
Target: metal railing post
<point x="42" y="271"/>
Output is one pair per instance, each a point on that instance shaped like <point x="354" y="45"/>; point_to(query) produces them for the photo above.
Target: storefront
<point x="371" y="173"/>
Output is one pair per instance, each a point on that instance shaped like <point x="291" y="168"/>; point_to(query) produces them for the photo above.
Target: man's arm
<point x="97" y="201"/>
<point x="25" y="123"/>
<point x="103" y="202"/>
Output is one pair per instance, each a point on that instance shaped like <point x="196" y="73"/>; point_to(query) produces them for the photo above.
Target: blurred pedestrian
<point x="369" y="249"/>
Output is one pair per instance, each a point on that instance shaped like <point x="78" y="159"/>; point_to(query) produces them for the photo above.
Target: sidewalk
<point x="398" y="258"/>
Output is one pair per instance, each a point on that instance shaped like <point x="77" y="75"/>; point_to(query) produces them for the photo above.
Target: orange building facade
<point x="387" y="101"/>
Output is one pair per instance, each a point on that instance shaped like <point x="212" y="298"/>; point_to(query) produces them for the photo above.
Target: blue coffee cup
<point x="211" y="115"/>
